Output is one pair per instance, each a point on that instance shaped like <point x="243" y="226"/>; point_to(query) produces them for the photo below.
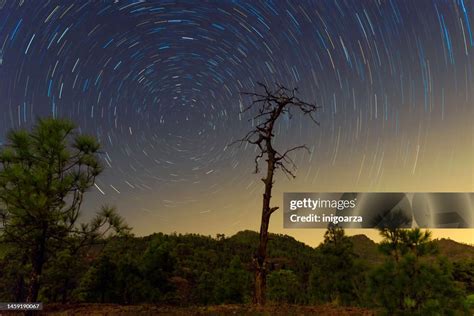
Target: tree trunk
<point x="37" y="268"/>
<point x="20" y="282"/>
<point x="260" y="264"/>
<point x="34" y="285"/>
<point x="34" y="282"/>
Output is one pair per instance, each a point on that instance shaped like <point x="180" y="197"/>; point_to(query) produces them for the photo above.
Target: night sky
<point x="158" y="82"/>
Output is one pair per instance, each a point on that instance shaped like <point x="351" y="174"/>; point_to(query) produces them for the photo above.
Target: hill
<point x="454" y="251"/>
<point x="366" y="249"/>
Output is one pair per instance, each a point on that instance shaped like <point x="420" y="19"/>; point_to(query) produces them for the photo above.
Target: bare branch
<point x="273" y="209"/>
<point x="282" y="157"/>
<point x="269" y="106"/>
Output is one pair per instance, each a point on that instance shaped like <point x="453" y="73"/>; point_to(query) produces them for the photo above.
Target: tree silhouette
<point x="336" y="275"/>
<point x="390" y="229"/>
<point x="418" y="242"/>
<point x="270" y="105"/>
<point x="43" y="177"/>
<point x="408" y="283"/>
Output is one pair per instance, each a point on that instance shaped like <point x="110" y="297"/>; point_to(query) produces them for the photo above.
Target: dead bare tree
<point x="270" y="105"/>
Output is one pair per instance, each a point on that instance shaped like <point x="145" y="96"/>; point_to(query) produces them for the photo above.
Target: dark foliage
<point x="198" y="270"/>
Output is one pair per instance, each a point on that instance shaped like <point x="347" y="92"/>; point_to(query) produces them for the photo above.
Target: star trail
<point x="159" y="82"/>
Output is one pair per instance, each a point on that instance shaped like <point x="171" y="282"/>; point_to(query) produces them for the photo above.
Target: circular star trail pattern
<point x="159" y="82"/>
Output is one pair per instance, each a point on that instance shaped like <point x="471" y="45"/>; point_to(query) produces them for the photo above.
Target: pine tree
<point x="44" y="175"/>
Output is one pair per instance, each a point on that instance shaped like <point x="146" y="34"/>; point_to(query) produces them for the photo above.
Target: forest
<point x="189" y="269"/>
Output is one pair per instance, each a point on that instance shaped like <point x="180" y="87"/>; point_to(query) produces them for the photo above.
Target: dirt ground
<point x="129" y="310"/>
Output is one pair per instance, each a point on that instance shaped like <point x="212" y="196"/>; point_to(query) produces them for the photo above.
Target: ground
<point x="129" y="310"/>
